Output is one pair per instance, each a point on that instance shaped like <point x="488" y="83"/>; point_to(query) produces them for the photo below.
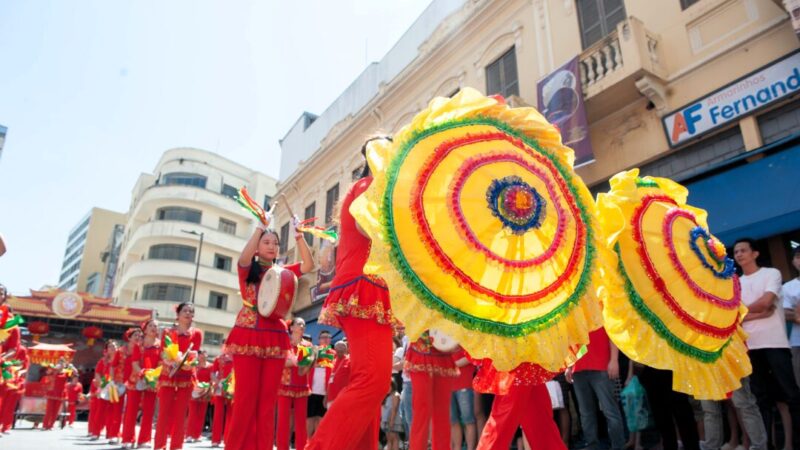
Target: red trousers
<point x="218" y="426"/>
<point x="300" y="406"/>
<point x="97" y="414"/>
<point x="347" y="425"/>
<point x="430" y="399"/>
<point x="51" y="413"/>
<point x="114" y="417"/>
<point x="173" y="405"/>
<point x="10" y="400"/>
<point x="148" y="410"/>
<point x="197" y="417"/>
<point x="252" y="421"/>
<point x="528" y="406"/>
<point x="71" y="406"/>
<point x="134" y="399"/>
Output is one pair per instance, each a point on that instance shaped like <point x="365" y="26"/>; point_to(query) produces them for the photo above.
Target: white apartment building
<point x="184" y="210"/>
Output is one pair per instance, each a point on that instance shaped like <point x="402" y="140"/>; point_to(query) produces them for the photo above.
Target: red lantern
<point x="92" y="333"/>
<point x="38" y="329"/>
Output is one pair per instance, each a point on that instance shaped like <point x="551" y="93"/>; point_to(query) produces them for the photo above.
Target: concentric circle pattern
<point x="679" y="294"/>
<point x="484" y="231"/>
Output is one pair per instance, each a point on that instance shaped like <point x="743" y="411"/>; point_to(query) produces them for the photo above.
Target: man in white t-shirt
<point x="773" y="378"/>
<point x="791" y="304"/>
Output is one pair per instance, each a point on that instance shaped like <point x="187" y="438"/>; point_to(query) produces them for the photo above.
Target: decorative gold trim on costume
<point x="246" y="318"/>
<point x="175" y="384"/>
<point x="254" y="350"/>
<point x="293" y="394"/>
<point x="432" y="369"/>
<point x="352" y="308"/>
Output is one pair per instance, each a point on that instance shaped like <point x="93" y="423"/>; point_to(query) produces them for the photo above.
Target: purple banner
<point x="561" y="101"/>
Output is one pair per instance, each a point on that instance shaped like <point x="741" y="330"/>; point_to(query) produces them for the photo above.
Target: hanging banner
<point x="560" y="97"/>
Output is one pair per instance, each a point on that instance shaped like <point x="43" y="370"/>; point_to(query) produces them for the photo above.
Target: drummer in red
<point x="151" y="358"/>
<point x="13" y="390"/>
<point x="99" y="408"/>
<point x="219" y="371"/>
<point x="295" y="389"/>
<point x="259" y="345"/>
<point x="358" y="304"/>
<point x="199" y="404"/>
<point x="131" y="376"/>
<point x="175" y="384"/>
<point x="432" y="375"/>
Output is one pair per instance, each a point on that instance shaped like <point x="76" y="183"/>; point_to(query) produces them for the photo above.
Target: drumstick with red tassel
<point x="305" y="226"/>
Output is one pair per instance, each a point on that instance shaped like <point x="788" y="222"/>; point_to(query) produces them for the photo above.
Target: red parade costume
<point x="55" y="400"/>
<point x="73" y="393"/>
<point x="151" y="358"/>
<point x="221" y="403"/>
<point x="358" y="304"/>
<point x="340" y="376"/>
<point x="432" y="374"/>
<point x="258" y="345"/>
<point x="198" y="406"/>
<point x="101" y="408"/>
<point x="13" y="390"/>
<point x="174" y="392"/>
<point x="114" y="413"/>
<point x="134" y="397"/>
<point x="521" y="399"/>
<point x="293" y="395"/>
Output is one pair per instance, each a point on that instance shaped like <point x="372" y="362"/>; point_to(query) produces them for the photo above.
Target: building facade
<point x="84" y="268"/>
<point x="184" y="220"/>
<point x="640" y="65"/>
<point x="3" y="131"/>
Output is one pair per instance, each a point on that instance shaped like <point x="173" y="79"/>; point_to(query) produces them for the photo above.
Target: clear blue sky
<point x="93" y="92"/>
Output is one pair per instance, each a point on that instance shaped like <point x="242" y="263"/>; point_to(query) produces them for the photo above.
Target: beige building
<point x="641" y="64"/>
<point x="185" y="209"/>
<point x="85" y="267"/>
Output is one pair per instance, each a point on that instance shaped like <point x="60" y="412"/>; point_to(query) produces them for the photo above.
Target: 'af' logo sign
<point x="779" y="80"/>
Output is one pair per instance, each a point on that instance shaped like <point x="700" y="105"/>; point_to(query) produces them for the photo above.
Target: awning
<point x="78" y="306"/>
<point x="756" y="199"/>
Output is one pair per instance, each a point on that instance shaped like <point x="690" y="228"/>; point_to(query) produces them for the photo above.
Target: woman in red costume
<point x="99" y="409"/>
<point x="259" y="345"/>
<point x="294" y="391"/>
<point x="432" y="374"/>
<point x="133" y="389"/>
<point x="151" y="357"/>
<point x="74" y="391"/>
<point x="175" y="383"/>
<point x="14" y="390"/>
<point x="220" y="370"/>
<point x="521" y="399"/>
<point x="120" y="373"/>
<point x="358" y="304"/>
<point x="199" y="405"/>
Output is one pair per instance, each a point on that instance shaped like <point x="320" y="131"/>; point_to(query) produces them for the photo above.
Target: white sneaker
<point x="113" y="441"/>
<point x="94" y="438"/>
<point x="145" y="445"/>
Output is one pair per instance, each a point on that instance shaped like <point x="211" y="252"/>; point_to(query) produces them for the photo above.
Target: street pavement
<point x="26" y="438"/>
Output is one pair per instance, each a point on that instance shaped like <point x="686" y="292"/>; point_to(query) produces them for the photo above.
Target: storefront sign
<point x="780" y="79"/>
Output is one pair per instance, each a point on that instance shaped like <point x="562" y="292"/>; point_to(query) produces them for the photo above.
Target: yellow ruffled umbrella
<point x="481" y="229"/>
<point x="678" y="306"/>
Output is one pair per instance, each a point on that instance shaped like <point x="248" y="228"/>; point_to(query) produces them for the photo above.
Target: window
<point x="267" y="201"/>
<point x="501" y="75"/>
<point x="222" y="262"/>
<point x="79" y="228"/>
<point x="598" y="18"/>
<point x="93" y="284"/>
<point x="173" y="251"/>
<point x="178" y="213"/>
<point x="167" y="291"/>
<point x="218" y="300"/>
<point x="310" y="211"/>
<point x="357" y="173"/>
<point x="185" y="179"/>
<point x="227" y="226"/>
<point x="211" y="338"/>
<point x="330" y="202"/>
<point x="687" y="3"/>
<point x="284" y="238"/>
<point x="229" y="191"/>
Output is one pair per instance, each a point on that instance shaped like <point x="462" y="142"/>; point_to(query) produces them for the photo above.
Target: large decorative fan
<point x="679" y="307"/>
<point x="482" y="230"/>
